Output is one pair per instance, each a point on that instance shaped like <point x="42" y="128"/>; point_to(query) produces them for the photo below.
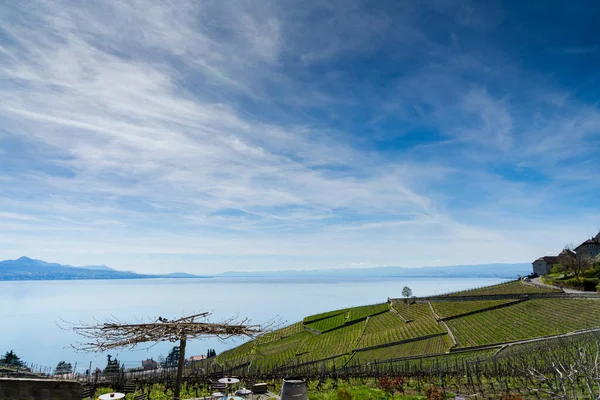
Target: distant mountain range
<point x="508" y="271"/>
<point x="25" y="268"/>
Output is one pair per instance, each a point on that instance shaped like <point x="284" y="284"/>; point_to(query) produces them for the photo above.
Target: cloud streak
<point x="222" y="130"/>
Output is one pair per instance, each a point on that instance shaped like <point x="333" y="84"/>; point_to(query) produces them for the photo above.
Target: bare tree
<point x="577" y="262"/>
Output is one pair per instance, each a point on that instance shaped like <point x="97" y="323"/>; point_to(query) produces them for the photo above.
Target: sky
<point x="211" y="136"/>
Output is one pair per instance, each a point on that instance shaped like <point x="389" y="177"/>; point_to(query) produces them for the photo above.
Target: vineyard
<point x="508" y="288"/>
<point x="435" y="345"/>
<point x="389" y="328"/>
<point x="446" y="309"/>
<point x="409" y="329"/>
<point x="526" y="320"/>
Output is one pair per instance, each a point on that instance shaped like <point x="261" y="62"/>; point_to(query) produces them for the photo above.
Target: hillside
<point x="478" y="319"/>
<point x="25" y="268"/>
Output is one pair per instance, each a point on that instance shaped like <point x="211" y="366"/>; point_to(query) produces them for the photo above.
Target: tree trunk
<point x="180" y="364"/>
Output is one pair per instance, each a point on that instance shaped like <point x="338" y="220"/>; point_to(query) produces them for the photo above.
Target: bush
<point x="592" y="272"/>
<point x="572" y="283"/>
<point x="558" y="269"/>
<point x="590" y="284"/>
<point x="510" y="396"/>
<point x="434" y="393"/>
<point x="344" y="394"/>
<point x="391" y="385"/>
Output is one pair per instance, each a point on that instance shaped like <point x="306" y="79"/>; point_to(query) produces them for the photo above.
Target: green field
<point x="399" y="329"/>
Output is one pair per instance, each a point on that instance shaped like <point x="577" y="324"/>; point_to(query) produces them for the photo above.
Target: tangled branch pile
<point x="115" y="334"/>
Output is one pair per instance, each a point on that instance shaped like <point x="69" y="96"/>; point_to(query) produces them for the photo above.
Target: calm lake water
<point x="31" y="311"/>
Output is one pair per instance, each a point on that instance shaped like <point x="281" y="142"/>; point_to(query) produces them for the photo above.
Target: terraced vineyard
<point x="324" y="315"/>
<point x="447" y="309"/>
<point x="397" y="329"/>
<point x="411" y="312"/>
<point x="360" y="313"/>
<point x="526" y="320"/>
<point x="388" y="328"/>
<point x="435" y="345"/>
<point x="334" y="343"/>
<point x="327" y="324"/>
<point x="513" y="287"/>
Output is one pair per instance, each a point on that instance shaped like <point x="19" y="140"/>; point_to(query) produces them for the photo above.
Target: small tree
<point x="577" y="262"/>
<point x="406" y="292"/>
<point x="112" y="366"/>
<point x="173" y="357"/>
<point x="10" y="359"/>
<point x="62" y="368"/>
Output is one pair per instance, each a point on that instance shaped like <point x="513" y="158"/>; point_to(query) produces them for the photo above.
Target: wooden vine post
<point x="180" y="365"/>
<point x="115" y="334"/>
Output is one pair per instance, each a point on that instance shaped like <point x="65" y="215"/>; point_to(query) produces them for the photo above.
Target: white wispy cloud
<point x="162" y="128"/>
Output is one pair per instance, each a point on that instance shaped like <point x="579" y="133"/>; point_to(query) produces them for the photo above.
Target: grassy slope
<point x="406" y="330"/>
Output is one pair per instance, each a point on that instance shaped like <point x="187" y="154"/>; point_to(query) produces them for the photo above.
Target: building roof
<point x="197" y="358"/>
<point x="566" y="252"/>
<point x="549" y="259"/>
<point x="594" y="240"/>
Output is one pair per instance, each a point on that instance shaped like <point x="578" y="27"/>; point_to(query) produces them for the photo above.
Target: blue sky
<point x="251" y="135"/>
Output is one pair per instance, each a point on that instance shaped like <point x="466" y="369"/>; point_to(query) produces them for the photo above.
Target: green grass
<point x="359" y="393"/>
<point x="526" y="320"/>
<point x="446" y="309"/>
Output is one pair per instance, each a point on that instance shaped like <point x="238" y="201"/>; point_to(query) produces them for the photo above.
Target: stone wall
<point x="39" y="389"/>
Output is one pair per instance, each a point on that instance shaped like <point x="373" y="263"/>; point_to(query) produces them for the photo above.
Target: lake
<point x="31" y="311"/>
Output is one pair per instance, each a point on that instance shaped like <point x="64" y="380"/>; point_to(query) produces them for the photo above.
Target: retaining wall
<point x="39" y="389"/>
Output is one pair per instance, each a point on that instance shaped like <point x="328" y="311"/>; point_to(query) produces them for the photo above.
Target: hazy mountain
<point x="25" y="268"/>
<point x="508" y="271"/>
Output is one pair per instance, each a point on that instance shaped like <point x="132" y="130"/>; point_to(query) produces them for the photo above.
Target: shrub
<point x="590" y="284"/>
<point x="510" y="396"/>
<point x="572" y="282"/>
<point x="558" y="269"/>
<point x="434" y="393"/>
<point x="344" y="394"/>
<point x="598" y="288"/>
<point x="592" y="272"/>
<point x="391" y="385"/>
